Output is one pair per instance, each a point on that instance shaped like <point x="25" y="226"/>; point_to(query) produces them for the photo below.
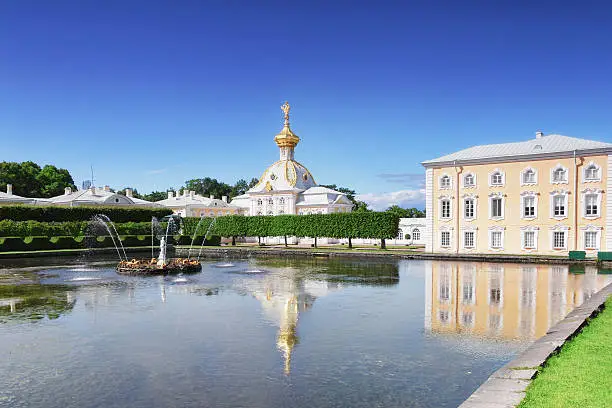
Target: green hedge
<point x="49" y="213"/>
<point x="10" y="228"/>
<point x="377" y="225"/>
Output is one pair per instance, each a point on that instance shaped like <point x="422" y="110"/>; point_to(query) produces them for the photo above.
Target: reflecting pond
<point x="274" y="332"/>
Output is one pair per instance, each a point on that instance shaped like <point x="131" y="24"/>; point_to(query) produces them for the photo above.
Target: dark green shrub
<point x="49" y="213"/>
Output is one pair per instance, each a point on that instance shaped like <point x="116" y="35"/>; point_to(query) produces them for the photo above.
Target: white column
<point x="429" y="213"/>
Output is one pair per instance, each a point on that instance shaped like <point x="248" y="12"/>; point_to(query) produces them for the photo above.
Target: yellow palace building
<point x="548" y="195"/>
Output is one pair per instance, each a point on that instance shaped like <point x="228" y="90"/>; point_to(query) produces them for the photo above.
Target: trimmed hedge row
<point x="377" y="225"/>
<point x="10" y="228"/>
<point x="10" y="244"/>
<point x="50" y="213"/>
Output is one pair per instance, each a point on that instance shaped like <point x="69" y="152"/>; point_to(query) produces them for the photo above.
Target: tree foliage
<point x="30" y="180"/>
<point x="49" y="213"/>
<point x="406" y="212"/>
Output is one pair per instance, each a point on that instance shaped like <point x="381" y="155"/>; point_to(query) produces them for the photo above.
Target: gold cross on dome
<point x="286" y="108"/>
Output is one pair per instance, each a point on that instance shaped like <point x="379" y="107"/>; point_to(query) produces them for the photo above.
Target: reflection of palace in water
<point x="283" y="297"/>
<point x="504" y="300"/>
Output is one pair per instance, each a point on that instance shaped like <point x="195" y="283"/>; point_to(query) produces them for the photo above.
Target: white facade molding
<point x="524" y="181"/>
<point x="496" y="286"/>
<point x="469" y="230"/>
<point x="446" y="230"/>
<point x="474" y="200"/>
<point x="593" y="230"/>
<point x="493" y="196"/>
<point x="445" y="182"/>
<point x="429" y="210"/>
<point x="441" y="204"/>
<point x="591" y="173"/>
<point x="500" y="175"/>
<point x="529" y="194"/>
<point x="559" y="168"/>
<point x="467" y="177"/>
<point x="529" y="229"/>
<point x="562" y="229"/>
<point x="589" y="192"/>
<point x="559" y="193"/>
<point x="497" y="231"/>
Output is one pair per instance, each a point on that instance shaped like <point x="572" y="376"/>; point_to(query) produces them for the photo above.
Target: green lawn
<point x="581" y="374"/>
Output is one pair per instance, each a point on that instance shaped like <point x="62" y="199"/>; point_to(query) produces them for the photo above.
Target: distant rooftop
<point x="540" y="146"/>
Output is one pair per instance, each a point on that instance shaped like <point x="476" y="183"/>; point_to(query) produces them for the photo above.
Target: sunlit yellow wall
<point x="512" y="190"/>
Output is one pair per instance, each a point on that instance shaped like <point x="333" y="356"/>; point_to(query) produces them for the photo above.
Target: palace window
<point x="467" y="319"/>
<point x="467" y="283"/>
<point x="495" y="287"/>
<point x="558" y="239"/>
<point x="468" y="205"/>
<point x="446" y="208"/>
<point x="559" y="174"/>
<point x="468" y="180"/>
<point x="529" y="239"/>
<point x="591" y="172"/>
<point x="529" y="177"/>
<point x="259" y="202"/>
<point x="443" y="315"/>
<point x="400" y="235"/>
<point x="496" y="239"/>
<point x="468" y="239"/>
<point x="445" y="182"/>
<point x="559" y="206"/>
<point x="416" y="234"/>
<point x="496" y="207"/>
<point x="270" y="212"/>
<point x="445" y="283"/>
<point x="270" y="201"/>
<point x="590" y="240"/>
<point x="497" y="179"/>
<point x="281" y="201"/>
<point x="590" y="205"/>
<point x="529" y="206"/>
<point x="445" y="239"/>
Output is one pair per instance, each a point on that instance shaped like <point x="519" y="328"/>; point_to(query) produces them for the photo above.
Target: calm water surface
<point x="273" y="333"/>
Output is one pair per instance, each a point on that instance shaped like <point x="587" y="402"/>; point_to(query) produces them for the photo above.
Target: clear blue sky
<point x="152" y="93"/>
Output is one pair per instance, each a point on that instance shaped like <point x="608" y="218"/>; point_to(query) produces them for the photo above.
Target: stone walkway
<point x="506" y="387"/>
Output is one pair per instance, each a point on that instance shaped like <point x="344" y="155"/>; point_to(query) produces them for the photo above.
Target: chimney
<point x="170" y="194"/>
<point x="9" y="189"/>
<point x="92" y="189"/>
<point x="539" y="134"/>
<point x="129" y="193"/>
<point x="191" y="193"/>
<point x="224" y="198"/>
<point x="106" y="188"/>
<point x="67" y="191"/>
<point x="185" y="192"/>
<point x="212" y="196"/>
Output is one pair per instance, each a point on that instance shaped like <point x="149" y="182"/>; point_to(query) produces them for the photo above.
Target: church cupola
<point x="286" y="139"/>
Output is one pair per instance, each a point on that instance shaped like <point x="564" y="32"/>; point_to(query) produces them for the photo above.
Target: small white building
<point x="97" y="196"/>
<point x="190" y="204"/>
<point x="411" y="232"/>
<point x="10" y="198"/>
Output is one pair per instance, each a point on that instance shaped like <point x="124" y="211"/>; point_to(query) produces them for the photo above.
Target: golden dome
<point x="286" y="137"/>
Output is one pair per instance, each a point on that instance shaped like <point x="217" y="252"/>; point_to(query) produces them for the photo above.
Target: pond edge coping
<point x="505" y="388"/>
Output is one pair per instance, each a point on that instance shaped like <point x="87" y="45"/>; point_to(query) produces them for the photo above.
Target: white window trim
<point x="503" y="175"/>
<point x="535" y="173"/>
<point x="535" y="203"/>
<point x="463" y="180"/>
<point x="596" y="192"/>
<point x="450" y="237"/>
<point x="465" y="313"/>
<point x="450" y="182"/>
<point x="559" y="228"/>
<point x="450" y="200"/>
<point x="564" y="194"/>
<point x="591" y="228"/>
<point x="503" y="205"/>
<point x="535" y="231"/>
<point x="469" y="229"/>
<point x="446" y="270"/>
<point x="552" y="174"/>
<point x="584" y="173"/>
<point x="496" y="229"/>
<point x="474" y="199"/>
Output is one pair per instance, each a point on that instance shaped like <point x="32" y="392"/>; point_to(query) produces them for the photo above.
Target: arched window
<point x="497" y="179"/>
<point x="270" y="212"/>
<point x="468" y="180"/>
<point x="270" y="201"/>
<point x="445" y="181"/>
<point x="529" y="176"/>
<point x="281" y="201"/>
<point x="591" y="172"/>
<point x="400" y="235"/>
<point x="559" y="175"/>
<point x="416" y="234"/>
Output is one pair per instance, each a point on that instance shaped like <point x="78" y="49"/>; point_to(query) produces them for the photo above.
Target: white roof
<point x="544" y="146"/>
<point x="11" y="198"/>
<point x="321" y="196"/>
<point x="92" y="196"/>
<point x="242" y="201"/>
<point x="192" y="200"/>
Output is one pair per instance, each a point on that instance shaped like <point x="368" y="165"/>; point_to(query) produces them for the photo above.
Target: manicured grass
<point x="581" y="374"/>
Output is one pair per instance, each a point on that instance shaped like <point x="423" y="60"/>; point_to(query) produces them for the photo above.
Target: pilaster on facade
<point x="608" y="229"/>
<point x="429" y="210"/>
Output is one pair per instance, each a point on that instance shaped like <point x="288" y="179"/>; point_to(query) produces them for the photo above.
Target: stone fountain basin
<point x="142" y="268"/>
